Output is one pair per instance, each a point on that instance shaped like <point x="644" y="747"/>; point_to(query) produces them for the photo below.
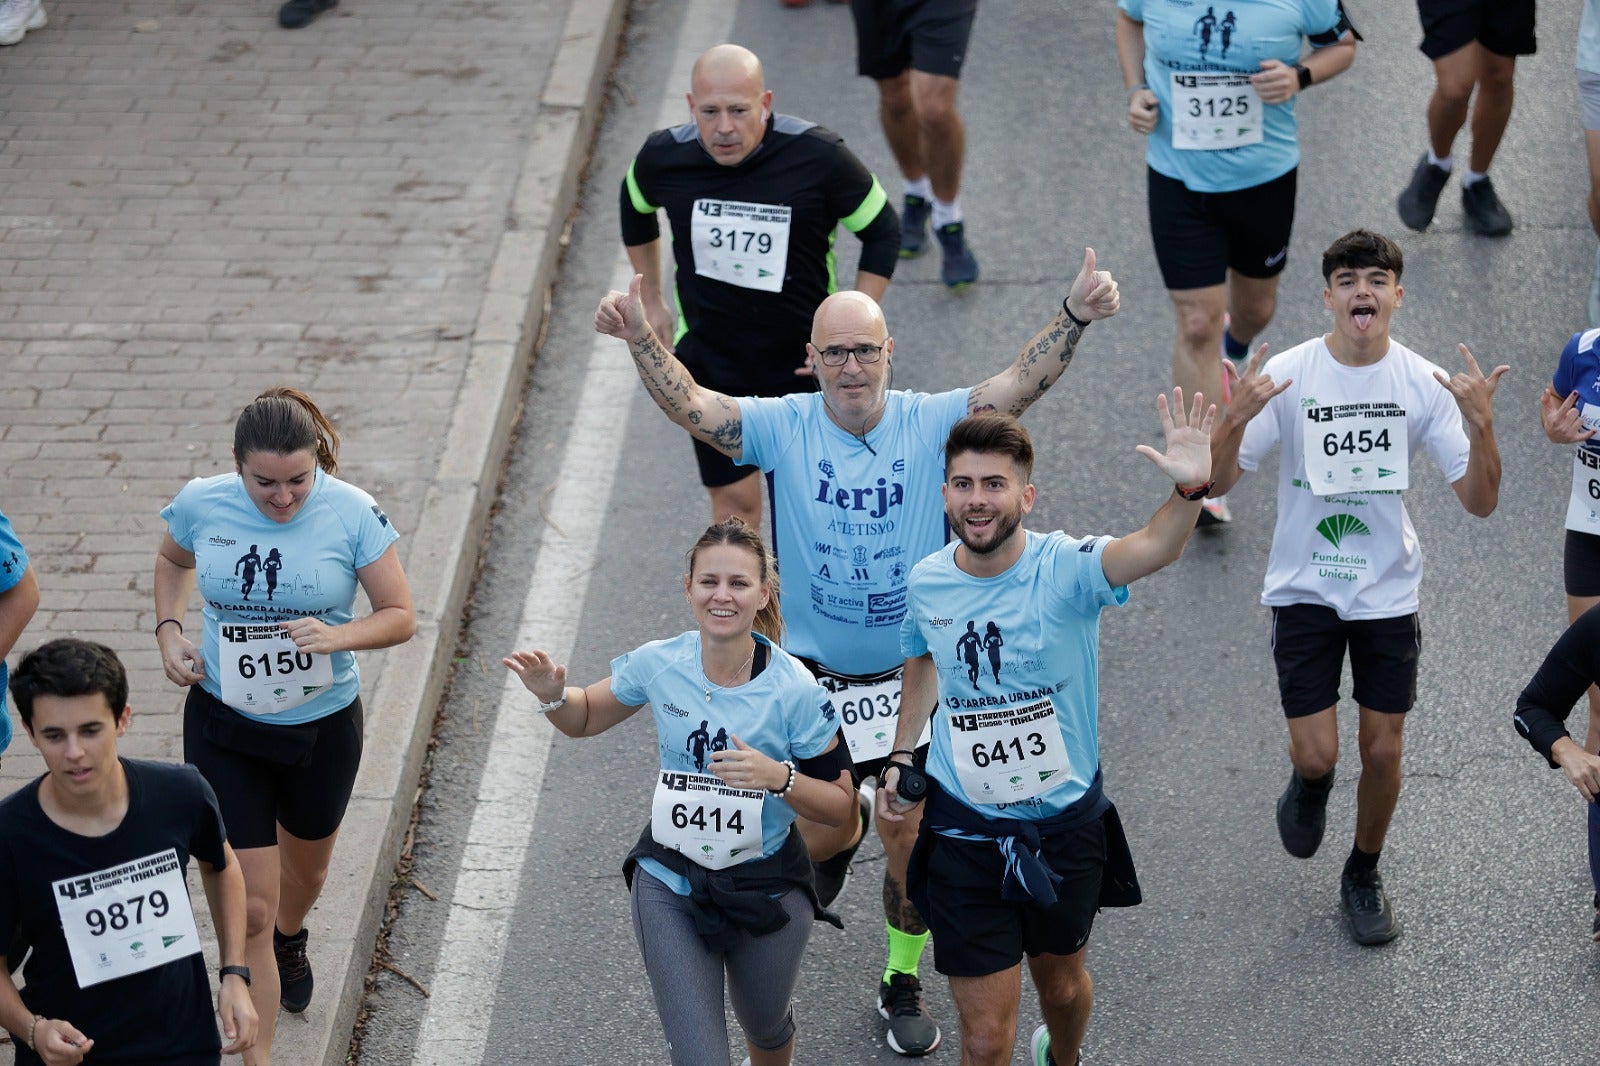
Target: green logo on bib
<point x="168" y="941"/>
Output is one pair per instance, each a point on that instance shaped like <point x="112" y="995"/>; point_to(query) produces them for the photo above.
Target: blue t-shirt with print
<point x="253" y="569"/>
<point x="849" y="519"/>
<point x="1578" y="371"/>
<point x="13" y="564"/>
<point x="1019" y="638"/>
<point x="782" y="712"/>
<point x="1198" y="37"/>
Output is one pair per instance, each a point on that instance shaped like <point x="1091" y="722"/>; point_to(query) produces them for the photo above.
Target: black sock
<point x="1317" y="784"/>
<point x="1361" y="861"/>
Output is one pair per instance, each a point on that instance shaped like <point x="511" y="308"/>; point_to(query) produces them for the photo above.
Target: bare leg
<point x="988" y="1009"/>
<point x="1491" y="113"/>
<point x="741" y="498"/>
<point x="1592" y="137"/>
<point x="1197" y="352"/>
<point x="1066" y="996"/>
<point x="942" y="135"/>
<point x="1454" y="76"/>
<point x="261" y="877"/>
<point x="1314" y="743"/>
<point x="900" y="129"/>
<point x="304" y="869"/>
<point x="1251" y="303"/>
<point x="1379" y="788"/>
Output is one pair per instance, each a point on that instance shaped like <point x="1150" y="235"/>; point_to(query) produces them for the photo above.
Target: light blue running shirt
<point x="13" y="564"/>
<point x="253" y="569"/>
<point x="1036" y="628"/>
<point x="1229" y="36"/>
<point x="850" y="519"/>
<point x="782" y="713"/>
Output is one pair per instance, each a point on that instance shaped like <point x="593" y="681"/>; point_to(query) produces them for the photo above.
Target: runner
<point x="1351" y="410"/>
<point x="855" y="473"/>
<point x="719" y="883"/>
<point x="1571" y="667"/>
<point x="753" y="199"/>
<point x="1570" y="413"/>
<point x="273" y="717"/>
<point x="1221" y="193"/>
<point x="1019" y="845"/>
<point x="914" y="49"/>
<point x="1474" y="45"/>
<point x="92" y="862"/>
<point x="19" y="599"/>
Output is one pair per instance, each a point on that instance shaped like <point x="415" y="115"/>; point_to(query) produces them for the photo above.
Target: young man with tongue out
<point x="1351" y="409"/>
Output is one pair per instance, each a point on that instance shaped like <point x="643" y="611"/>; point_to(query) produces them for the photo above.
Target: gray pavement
<point x="198" y="204"/>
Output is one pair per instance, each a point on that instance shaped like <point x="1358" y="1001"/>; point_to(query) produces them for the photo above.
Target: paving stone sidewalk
<point x="194" y="205"/>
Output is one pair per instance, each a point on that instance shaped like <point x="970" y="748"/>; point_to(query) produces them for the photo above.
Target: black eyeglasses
<point x="864" y="353"/>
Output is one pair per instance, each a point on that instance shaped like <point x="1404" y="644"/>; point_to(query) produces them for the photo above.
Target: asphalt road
<point x="1239" y="954"/>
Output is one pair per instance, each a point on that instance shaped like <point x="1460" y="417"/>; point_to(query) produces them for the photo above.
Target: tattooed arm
<point x="1046" y="357"/>
<point x="708" y="415"/>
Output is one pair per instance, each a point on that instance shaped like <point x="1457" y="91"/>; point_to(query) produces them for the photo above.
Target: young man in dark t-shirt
<point x="92" y="861"/>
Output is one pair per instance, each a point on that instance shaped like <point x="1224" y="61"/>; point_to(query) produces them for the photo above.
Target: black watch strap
<point x="1304" y="73"/>
<point x="242" y="972"/>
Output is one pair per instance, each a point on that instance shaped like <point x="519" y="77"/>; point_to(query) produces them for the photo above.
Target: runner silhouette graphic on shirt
<point x="250" y="561"/>
<point x="697" y="743"/>
<point x="1203" y="26"/>
<point x="1230" y="25"/>
<point x="273" y="563"/>
<point x="992" y="642"/>
<point x="967" y="649"/>
<point x="720" y="741"/>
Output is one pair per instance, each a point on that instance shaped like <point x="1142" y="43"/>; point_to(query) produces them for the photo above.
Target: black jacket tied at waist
<point x="739" y="899"/>
<point x="1028" y="878"/>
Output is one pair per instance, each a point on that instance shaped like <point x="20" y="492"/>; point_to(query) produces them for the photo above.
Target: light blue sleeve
<point x="1134" y="9"/>
<point x="13" y="562"/>
<point x="912" y="641"/>
<point x="628" y="679"/>
<point x="1319" y="16"/>
<point x="763" y="419"/>
<point x="812" y="720"/>
<point x="181" y="513"/>
<point x="374" y="533"/>
<point x="1078" y="573"/>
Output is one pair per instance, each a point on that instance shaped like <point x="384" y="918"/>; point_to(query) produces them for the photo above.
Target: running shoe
<point x="1486" y="215"/>
<point x="294" y="970"/>
<point x="1372" y="919"/>
<point x="1041" y="1049"/>
<point x="17" y="17"/>
<point x="832" y="874"/>
<point x="911" y="1030"/>
<point x="1421" y="196"/>
<point x="1213" y="512"/>
<point x="914" y="226"/>
<point x="1302" y="816"/>
<point x="960" y="267"/>
<point x="298" y="13"/>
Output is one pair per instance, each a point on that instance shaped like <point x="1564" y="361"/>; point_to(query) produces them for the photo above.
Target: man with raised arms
<point x="1019" y="846"/>
<point x="1350" y="410"/>
<point x="855" y="473"/>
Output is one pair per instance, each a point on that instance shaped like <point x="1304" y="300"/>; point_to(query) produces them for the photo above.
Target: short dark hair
<point x="1362" y="248"/>
<point x="990" y="433"/>
<point x="69" y="667"/>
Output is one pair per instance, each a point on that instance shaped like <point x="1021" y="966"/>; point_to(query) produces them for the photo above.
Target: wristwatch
<point x="242" y="972"/>
<point x="1199" y="492"/>
<point x="1305" y="75"/>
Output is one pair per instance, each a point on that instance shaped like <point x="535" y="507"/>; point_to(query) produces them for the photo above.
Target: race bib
<point x="869" y="710"/>
<point x="1003" y="756"/>
<point x="1583" y="507"/>
<point x="712" y="823"/>
<point x="741" y="244"/>
<point x="1214" y="111"/>
<point x="264" y="673"/>
<point x="127" y="919"/>
<point x="1356" y="447"/>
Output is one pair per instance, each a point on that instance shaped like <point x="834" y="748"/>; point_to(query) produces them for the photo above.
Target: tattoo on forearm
<point x="672" y="388"/>
<point x="1043" y="362"/>
<point x="901" y="914"/>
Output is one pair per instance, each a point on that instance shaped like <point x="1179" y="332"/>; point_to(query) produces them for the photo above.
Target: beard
<point x="1000" y="531"/>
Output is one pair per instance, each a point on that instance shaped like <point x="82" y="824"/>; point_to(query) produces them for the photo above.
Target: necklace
<point x="710" y="684"/>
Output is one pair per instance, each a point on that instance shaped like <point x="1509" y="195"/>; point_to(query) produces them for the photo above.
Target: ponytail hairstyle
<point x="733" y="531"/>
<point x="283" y="420"/>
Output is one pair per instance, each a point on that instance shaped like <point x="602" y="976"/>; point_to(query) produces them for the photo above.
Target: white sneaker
<point x="17" y="17"/>
<point x="1214" y="512"/>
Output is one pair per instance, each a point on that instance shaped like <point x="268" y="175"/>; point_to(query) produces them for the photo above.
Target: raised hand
<point x="621" y="314"/>
<point x="1474" y="393"/>
<point x="539" y="674"/>
<point x="1252" y="390"/>
<point x="1094" y="292"/>
<point x="1188" y="457"/>
<point x="1563" y="422"/>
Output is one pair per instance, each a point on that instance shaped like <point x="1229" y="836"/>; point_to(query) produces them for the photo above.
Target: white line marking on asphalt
<point x="455" y="1028"/>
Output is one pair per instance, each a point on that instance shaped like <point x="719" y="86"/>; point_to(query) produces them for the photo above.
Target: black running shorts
<point x="1580" y="564"/>
<point x="1309" y="643"/>
<point x="976" y="933"/>
<point x="1504" y="27"/>
<point x="1200" y="236"/>
<point x="296" y="776"/>
<point x="893" y="36"/>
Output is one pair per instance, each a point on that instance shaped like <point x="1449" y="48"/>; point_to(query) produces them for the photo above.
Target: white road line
<point x="482" y="903"/>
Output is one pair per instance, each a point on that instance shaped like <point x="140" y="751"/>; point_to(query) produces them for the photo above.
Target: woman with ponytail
<point x="273" y="718"/>
<point x="721" y="887"/>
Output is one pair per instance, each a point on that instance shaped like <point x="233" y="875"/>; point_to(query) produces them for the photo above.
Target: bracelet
<point x="1142" y="85"/>
<point x="555" y="704"/>
<point x="164" y="621"/>
<point x="1198" y="492"/>
<point x="901" y="751"/>
<point x="33" y="1025"/>
<point x="787" y="785"/>
<point x="1068" y="312"/>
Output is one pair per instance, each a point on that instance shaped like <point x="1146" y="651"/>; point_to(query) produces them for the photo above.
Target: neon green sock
<point x="905" y="950"/>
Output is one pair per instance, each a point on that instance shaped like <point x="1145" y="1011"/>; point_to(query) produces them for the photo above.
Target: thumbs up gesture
<point x="621" y="314"/>
<point x="1094" y="292"/>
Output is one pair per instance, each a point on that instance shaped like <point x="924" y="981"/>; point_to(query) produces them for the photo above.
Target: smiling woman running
<point x="273" y="718"/>
<point x="719" y="883"/>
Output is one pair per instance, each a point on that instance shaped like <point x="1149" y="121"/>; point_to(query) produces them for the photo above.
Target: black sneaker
<point x="1302" y="815"/>
<point x="1420" y="197"/>
<point x="296" y="13"/>
<point x="1486" y="215"/>
<point x="914" y="226"/>
<point x="832" y="874"/>
<point x="911" y="1030"/>
<point x="1372" y="919"/>
<point x="294" y="970"/>
<point x="960" y="267"/>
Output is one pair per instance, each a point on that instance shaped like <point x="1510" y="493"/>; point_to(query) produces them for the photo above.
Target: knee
<point x="1252" y="313"/>
<point x="937" y="110"/>
<point x="898" y="837"/>
<point x="260" y="914"/>
<point x="1314" y="757"/>
<point x="1380" y="752"/>
<point x="1497" y="78"/>
<point x="1199" y="328"/>
<point x="1453" y="89"/>
<point x="894" y="96"/>
<point x="988" y="1039"/>
<point x="1065" y="990"/>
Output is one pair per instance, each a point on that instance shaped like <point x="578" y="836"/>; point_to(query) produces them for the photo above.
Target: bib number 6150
<point x="286" y="662"/>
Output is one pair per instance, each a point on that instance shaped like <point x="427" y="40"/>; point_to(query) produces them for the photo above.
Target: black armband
<point x="1340" y="28"/>
<point x="826" y="767"/>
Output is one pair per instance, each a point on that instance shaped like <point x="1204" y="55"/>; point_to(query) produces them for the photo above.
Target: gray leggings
<point x="686" y="975"/>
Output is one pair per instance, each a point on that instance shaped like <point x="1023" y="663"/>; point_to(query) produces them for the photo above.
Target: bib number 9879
<point x="117" y="916"/>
